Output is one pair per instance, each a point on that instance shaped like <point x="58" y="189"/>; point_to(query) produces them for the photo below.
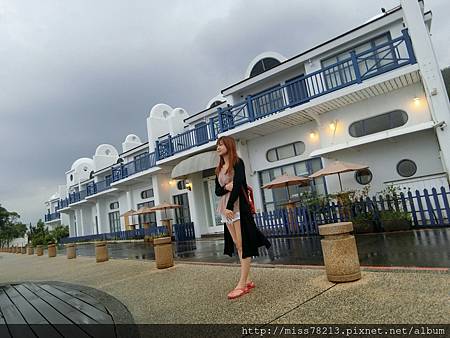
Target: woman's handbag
<point x="249" y="199"/>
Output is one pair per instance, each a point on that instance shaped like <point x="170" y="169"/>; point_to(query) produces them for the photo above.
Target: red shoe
<point x="238" y="292"/>
<point x="251" y="285"/>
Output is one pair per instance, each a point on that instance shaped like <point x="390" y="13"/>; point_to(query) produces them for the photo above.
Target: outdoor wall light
<point x="333" y="125"/>
<point x="189" y="185"/>
<point x="417" y="100"/>
<point x="312" y="134"/>
<point x="172" y="183"/>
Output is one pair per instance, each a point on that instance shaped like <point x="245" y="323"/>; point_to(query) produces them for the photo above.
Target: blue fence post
<point x="251" y="113"/>
<point x="169" y="138"/>
<point x="356" y="67"/>
<point x="219" y="115"/>
<point x="409" y="46"/>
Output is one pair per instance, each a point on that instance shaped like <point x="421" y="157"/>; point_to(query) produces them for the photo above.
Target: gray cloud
<point x="81" y="73"/>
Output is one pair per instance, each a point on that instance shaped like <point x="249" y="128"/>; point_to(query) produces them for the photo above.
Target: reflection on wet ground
<point x="418" y="248"/>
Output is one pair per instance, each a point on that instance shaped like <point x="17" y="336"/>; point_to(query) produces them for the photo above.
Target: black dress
<point x="252" y="238"/>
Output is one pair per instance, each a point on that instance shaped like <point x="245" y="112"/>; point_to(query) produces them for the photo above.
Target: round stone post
<point x="339" y="252"/>
<point x="30" y="250"/>
<point x="71" y="251"/>
<point x="52" y="250"/>
<point x="39" y="250"/>
<point x="163" y="252"/>
<point x="24" y="250"/>
<point x="101" y="252"/>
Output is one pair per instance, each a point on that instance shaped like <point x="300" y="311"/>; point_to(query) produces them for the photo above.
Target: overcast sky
<point x="75" y="74"/>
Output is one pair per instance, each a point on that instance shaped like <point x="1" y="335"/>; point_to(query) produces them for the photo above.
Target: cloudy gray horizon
<point x="76" y="74"/>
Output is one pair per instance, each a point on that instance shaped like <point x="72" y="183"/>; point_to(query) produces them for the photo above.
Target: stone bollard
<point x="163" y="252"/>
<point x="101" y="252"/>
<point x="71" y="251"/>
<point x="30" y="250"/>
<point x="18" y="250"/>
<point x="339" y="252"/>
<point x="39" y="250"/>
<point x="51" y="250"/>
<point x="24" y="250"/>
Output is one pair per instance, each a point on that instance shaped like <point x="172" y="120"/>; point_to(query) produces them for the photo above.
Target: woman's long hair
<point x="230" y="144"/>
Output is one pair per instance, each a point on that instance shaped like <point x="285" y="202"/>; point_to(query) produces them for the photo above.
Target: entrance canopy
<point x="195" y="164"/>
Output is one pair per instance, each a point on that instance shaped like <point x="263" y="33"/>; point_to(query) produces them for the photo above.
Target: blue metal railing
<point x="52" y="216"/>
<point x="125" y="170"/>
<point x="96" y="187"/>
<point x="354" y="69"/>
<point x="118" y="235"/>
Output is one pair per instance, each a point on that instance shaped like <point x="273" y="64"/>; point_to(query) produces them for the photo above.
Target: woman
<point x="240" y="228"/>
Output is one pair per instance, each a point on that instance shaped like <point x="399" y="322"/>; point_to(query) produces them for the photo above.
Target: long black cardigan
<point x="252" y="238"/>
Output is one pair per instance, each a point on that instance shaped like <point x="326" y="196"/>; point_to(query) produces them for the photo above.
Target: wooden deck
<point x="51" y="310"/>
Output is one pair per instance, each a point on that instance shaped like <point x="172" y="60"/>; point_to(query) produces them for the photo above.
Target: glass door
<point x="215" y="224"/>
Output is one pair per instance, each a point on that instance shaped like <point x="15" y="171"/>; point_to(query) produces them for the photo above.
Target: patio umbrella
<point x="143" y="210"/>
<point x="164" y="206"/>
<point x="285" y="181"/>
<point x="338" y="167"/>
<point x="126" y="215"/>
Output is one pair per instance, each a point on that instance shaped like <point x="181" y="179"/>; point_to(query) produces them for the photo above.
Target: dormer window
<point x="262" y="65"/>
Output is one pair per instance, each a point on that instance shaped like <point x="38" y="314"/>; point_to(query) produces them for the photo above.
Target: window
<point x="274" y="198"/>
<point x="91" y="175"/>
<point x="147" y="194"/>
<point x="297" y="90"/>
<point x="363" y="176"/>
<point x="114" y="221"/>
<point x="262" y="65"/>
<point x="268" y="101"/>
<point x="71" y="177"/>
<point x="141" y="162"/>
<point x="182" y="215"/>
<point x="181" y="185"/>
<point x="216" y="103"/>
<point x="376" y="124"/>
<point x="406" y="168"/>
<point x="286" y="151"/>
<point x="370" y="62"/>
<point x="146" y="220"/>
<point x="114" y="205"/>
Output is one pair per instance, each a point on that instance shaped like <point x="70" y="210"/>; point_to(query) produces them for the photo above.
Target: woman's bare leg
<point x="245" y="263"/>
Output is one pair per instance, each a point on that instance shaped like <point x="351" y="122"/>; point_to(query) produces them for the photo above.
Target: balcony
<point x="356" y="69"/>
<point x="123" y="171"/>
<point x="52" y="217"/>
<point x="97" y="187"/>
<point x="77" y="196"/>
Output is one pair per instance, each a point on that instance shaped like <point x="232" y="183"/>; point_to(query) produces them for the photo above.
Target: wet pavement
<point x="417" y="248"/>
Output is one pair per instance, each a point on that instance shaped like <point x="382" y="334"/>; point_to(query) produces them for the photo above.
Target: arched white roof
<point x="273" y="55"/>
<point x="161" y="110"/>
<point x="83" y="160"/>
<point x="179" y="111"/>
<point x="133" y="138"/>
<point x="107" y="150"/>
<point x="219" y="97"/>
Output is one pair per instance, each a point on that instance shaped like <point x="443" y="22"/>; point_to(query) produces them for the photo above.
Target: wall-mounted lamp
<point x="172" y="183"/>
<point x="416" y="100"/>
<point x="333" y="125"/>
<point x="312" y="134"/>
<point x="189" y="185"/>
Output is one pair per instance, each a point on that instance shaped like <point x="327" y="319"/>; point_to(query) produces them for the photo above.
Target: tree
<point x="40" y="234"/>
<point x="60" y="231"/>
<point x="10" y="226"/>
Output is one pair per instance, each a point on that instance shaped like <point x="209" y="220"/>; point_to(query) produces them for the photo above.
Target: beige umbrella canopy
<point x="285" y="181"/>
<point x="143" y="210"/>
<point x="128" y="213"/>
<point x="164" y="206"/>
<point x="338" y="167"/>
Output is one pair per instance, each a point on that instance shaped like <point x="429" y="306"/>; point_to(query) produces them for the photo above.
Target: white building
<point x="373" y="95"/>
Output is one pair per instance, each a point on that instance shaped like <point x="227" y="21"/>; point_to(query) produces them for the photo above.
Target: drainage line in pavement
<point x="296" y="307"/>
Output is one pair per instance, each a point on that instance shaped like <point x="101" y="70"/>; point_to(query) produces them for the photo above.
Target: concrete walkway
<point x="196" y="293"/>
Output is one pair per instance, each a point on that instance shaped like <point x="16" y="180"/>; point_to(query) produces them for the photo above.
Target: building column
<point x="99" y="218"/>
<point x="431" y="75"/>
<point x="161" y="189"/>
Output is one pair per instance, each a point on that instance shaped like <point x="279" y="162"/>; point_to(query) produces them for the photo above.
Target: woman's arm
<point x="238" y="181"/>
<point x="220" y="191"/>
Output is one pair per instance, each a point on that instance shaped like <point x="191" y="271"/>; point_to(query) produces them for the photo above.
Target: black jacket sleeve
<point x="238" y="182"/>
<point x="220" y="191"/>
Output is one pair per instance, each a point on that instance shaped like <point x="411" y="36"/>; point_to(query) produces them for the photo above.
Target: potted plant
<point x="395" y="220"/>
<point x="363" y="223"/>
